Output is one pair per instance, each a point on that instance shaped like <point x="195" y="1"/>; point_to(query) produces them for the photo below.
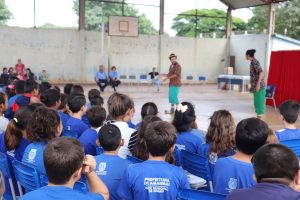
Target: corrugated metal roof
<point x="287" y="39"/>
<point x="236" y="4"/>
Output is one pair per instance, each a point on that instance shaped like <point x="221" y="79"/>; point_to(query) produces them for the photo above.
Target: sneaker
<point x="260" y="116"/>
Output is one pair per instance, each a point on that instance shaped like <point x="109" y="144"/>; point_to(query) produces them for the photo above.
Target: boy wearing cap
<point x="174" y="76"/>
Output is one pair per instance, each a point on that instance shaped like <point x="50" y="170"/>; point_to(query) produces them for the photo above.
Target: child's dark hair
<point x="45" y="86"/>
<point x="140" y="149"/>
<point x="251" y="134"/>
<point x="93" y="93"/>
<point x="19" y="123"/>
<point x="63" y="101"/>
<point x="97" y="101"/>
<point x="77" y="89"/>
<point x="250" y="52"/>
<point x="63" y="156"/>
<point x="221" y="132"/>
<point x="30" y="85"/>
<point x="50" y="97"/>
<point x="290" y="111"/>
<point x="275" y="161"/>
<point x="4" y="68"/>
<point x="185" y="121"/>
<point x="109" y="137"/>
<point x="75" y="102"/>
<point x="19" y="87"/>
<point x="96" y="116"/>
<point x="113" y="67"/>
<point x="43" y="125"/>
<point x="67" y="88"/>
<point x="118" y="105"/>
<point x="3" y="98"/>
<point x="149" y="108"/>
<point x="160" y="137"/>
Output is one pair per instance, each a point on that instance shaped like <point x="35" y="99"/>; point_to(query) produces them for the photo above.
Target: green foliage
<point x="287" y="17"/>
<point x="5" y="14"/>
<point x="209" y="20"/>
<point x="96" y="11"/>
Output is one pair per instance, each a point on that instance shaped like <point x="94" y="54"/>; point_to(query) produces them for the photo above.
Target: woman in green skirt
<point x="257" y="83"/>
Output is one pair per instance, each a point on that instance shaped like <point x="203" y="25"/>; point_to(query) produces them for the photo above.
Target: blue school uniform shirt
<point x="288" y="134"/>
<point x="85" y="120"/>
<point x="113" y="74"/>
<point x="15" y="154"/>
<point x="74" y="128"/>
<point x="12" y="100"/>
<point x="101" y="75"/>
<point x="64" y="118"/>
<point x="152" y="180"/>
<point x="110" y="168"/>
<point x="190" y="141"/>
<point x="60" y="193"/>
<point x="265" y="191"/>
<point x="88" y="140"/>
<point x="231" y="174"/>
<point x="34" y="155"/>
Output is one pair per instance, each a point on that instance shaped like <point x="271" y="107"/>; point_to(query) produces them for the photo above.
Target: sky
<point x="48" y="11"/>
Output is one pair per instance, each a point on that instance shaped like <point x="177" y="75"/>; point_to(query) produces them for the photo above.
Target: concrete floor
<point x="206" y="99"/>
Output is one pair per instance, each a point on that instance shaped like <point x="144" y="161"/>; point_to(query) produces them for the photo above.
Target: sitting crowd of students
<point x="68" y="139"/>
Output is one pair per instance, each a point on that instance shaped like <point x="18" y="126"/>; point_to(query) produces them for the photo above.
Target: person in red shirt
<point x="20" y="68"/>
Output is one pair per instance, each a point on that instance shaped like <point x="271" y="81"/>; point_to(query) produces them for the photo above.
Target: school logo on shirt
<point x="101" y="169"/>
<point x="157" y="185"/>
<point x="232" y="184"/>
<point x="32" y="154"/>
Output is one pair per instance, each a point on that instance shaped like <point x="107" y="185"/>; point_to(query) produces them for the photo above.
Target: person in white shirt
<point x="3" y="106"/>
<point x="121" y="110"/>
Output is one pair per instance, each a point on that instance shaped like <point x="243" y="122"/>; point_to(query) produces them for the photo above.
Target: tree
<point x="209" y="20"/>
<point x="287" y="18"/>
<point x="96" y="11"/>
<point x="5" y="14"/>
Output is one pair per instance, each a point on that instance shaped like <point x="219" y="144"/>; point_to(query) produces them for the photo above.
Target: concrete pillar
<point x="161" y="33"/>
<point x="271" y="31"/>
<point x="271" y="28"/>
<point x="81" y="14"/>
<point x="229" y="22"/>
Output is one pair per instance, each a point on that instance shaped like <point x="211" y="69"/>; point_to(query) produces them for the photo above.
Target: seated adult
<point x="113" y="77"/>
<point x="101" y="78"/>
<point x="65" y="163"/>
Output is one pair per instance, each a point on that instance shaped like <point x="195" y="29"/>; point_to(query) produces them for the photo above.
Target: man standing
<point x="101" y="78"/>
<point x="174" y="76"/>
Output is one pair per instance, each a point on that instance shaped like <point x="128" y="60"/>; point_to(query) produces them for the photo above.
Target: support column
<point x="161" y="33"/>
<point x="229" y="22"/>
<point x="271" y="31"/>
<point x="81" y="14"/>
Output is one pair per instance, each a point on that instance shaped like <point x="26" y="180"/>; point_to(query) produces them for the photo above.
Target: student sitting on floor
<point x="96" y="116"/>
<point x="44" y="125"/>
<point x="289" y="112"/>
<point x="19" y="90"/>
<point x="94" y="100"/>
<point x="65" y="163"/>
<point x="220" y="136"/>
<point x="110" y="167"/>
<point x="3" y="106"/>
<point x="92" y="94"/>
<point x="188" y="137"/>
<point x="236" y="172"/>
<point x="154" y="178"/>
<point x="121" y="110"/>
<point x="277" y="173"/>
<point x="74" y="126"/>
<point x="76" y="89"/>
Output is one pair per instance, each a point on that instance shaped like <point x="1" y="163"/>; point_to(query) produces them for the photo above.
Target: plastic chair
<point x="293" y="145"/>
<point x="270" y="93"/>
<point x="123" y="77"/>
<point x="197" y="165"/>
<point x="26" y="175"/>
<point x="134" y="160"/>
<point x="199" y="195"/>
<point x="5" y="171"/>
<point x="189" y="78"/>
<point x="143" y="79"/>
